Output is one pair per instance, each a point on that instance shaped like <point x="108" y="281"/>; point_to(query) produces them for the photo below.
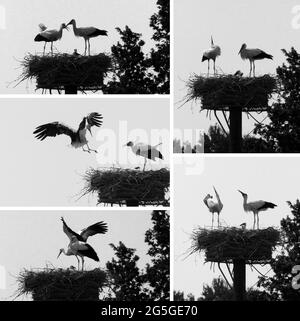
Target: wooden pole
<point x="235" y="129"/>
<point x="70" y="90"/>
<point x="239" y="279"/>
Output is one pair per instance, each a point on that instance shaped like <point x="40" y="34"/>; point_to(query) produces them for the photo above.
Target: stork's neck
<point x="75" y="29"/>
<point x="60" y="32"/>
<point x="245" y="197"/>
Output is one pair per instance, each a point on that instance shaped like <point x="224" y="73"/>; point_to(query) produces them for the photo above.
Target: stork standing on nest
<point x="253" y="55"/>
<point x="86" y="33"/>
<point x="146" y="151"/>
<point x="213" y="206"/>
<point x="211" y="54"/>
<point x="78" y="137"/>
<point x="78" y="245"/>
<point x="255" y="207"/>
<point x="49" y="35"/>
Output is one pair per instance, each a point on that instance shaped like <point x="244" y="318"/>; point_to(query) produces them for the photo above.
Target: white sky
<point x="21" y="26"/>
<point x="35" y="238"/>
<point x="264" y="24"/>
<point x="268" y="178"/>
<point x="49" y="173"/>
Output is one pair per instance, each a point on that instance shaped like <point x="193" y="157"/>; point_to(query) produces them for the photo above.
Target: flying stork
<point x="252" y="55"/>
<point x="146" y="151"/>
<point x="213" y="206"/>
<point x="78" y="245"/>
<point x="49" y="35"/>
<point x="211" y="54"/>
<point x="78" y="138"/>
<point x="255" y="207"/>
<point x="86" y="33"/>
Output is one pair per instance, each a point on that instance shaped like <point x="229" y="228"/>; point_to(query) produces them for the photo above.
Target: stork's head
<point x="129" y="144"/>
<point x="243" y="194"/>
<point x="64" y="26"/>
<point x="60" y="251"/>
<point x="243" y="47"/>
<point x="71" y="22"/>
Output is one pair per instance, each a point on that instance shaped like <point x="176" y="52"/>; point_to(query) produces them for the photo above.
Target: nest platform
<point x="223" y="92"/>
<point x="62" y="285"/>
<point x="126" y="186"/>
<point x="61" y="71"/>
<point x="227" y="244"/>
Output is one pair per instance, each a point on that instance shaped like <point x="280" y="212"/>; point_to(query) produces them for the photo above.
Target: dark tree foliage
<point x="280" y="285"/>
<point x="158" y="272"/>
<point x="160" y="56"/>
<point x="283" y="131"/>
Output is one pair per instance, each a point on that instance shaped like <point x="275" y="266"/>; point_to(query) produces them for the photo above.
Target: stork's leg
<point x="77" y="261"/>
<point x="254" y="221"/>
<point x="145" y="164"/>
<point x="84" y="46"/>
<point x="214" y="67"/>
<point x="92" y="150"/>
<point x="89" y="46"/>
<point x="212" y="220"/>
<point x="253" y="68"/>
<point x="218" y="219"/>
<point x="250" y="67"/>
<point x="44" y="47"/>
<point x="257" y="220"/>
<point x="208" y="67"/>
<point x="85" y="150"/>
<point x="82" y="266"/>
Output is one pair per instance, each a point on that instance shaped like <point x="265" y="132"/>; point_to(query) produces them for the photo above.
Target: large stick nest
<point x="59" y="71"/>
<point x="120" y="186"/>
<point x="228" y="244"/>
<point x="224" y="91"/>
<point x="59" y="284"/>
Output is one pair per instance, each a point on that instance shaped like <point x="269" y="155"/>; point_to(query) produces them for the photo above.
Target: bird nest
<point x="60" y="71"/>
<point x="227" y="244"/>
<point x="129" y="187"/>
<point x="58" y="284"/>
<point x="228" y="91"/>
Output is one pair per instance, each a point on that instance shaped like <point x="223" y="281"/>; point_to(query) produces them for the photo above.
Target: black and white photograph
<point x="95" y="47"/>
<point x="236" y="76"/>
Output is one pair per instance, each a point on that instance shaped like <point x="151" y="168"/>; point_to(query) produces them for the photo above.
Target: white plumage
<point x="255" y="207"/>
<point x="214" y="206"/>
<point x="86" y="33"/>
<point x="49" y="35"/>
<point x="252" y="55"/>
<point x="146" y="151"/>
<point x="211" y="54"/>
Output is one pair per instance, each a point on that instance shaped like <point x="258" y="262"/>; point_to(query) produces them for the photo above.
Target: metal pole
<point x="235" y="129"/>
<point x="239" y="279"/>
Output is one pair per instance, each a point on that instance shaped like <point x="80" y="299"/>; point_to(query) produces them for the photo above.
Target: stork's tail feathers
<point x="270" y="205"/>
<point x="160" y="155"/>
<point x="204" y="58"/>
<point x="40" y="38"/>
<point x="211" y="40"/>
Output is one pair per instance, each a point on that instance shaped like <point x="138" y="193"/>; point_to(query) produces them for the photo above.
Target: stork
<point x="255" y="207"/>
<point x="78" y="138"/>
<point x="146" y="151"/>
<point x="78" y="245"/>
<point x="86" y="33"/>
<point x="213" y="206"/>
<point x="49" y="35"/>
<point x="252" y="55"/>
<point x="211" y="54"/>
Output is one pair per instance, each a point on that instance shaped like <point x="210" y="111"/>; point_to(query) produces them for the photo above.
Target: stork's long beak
<point x="60" y="251"/>
<point x="69" y="23"/>
<point x="241" y="192"/>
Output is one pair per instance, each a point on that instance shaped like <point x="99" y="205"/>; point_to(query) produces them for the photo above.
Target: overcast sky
<point x="49" y="173"/>
<point x="33" y="240"/>
<point x="269" y="25"/>
<point x="21" y="26"/>
<point x="263" y="178"/>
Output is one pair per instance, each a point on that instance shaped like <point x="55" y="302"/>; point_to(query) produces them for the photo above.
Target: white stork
<point x="78" y="137"/>
<point x="146" y="151"/>
<point x="255" y="207"/>
<point x="86" y="33"/>
<point x="252" y="55"/>
<point x="213" y="206"/>
<point x="78" y="245"/>
<point x="211" y="54"/>
<point x="49" y="35"/>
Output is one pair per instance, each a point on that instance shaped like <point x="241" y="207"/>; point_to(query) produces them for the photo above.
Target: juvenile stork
<point x="146" y="151"/>
<point x="78" y="137"/>
<point x="78" y="245"/>
<point x="255" y="207"/>
<point x="211" y="54"/>
<point x="49" y="35"/>
<point x="213" y="206"/>
<point x="252" y="55"/>
<point x="86" y="33"/>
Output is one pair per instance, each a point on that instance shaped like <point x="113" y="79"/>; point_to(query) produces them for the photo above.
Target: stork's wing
<point x="42" y="27"/>
<point x="94" y="119"/>
<point x="97" y="228"/>
<point x="51" y="130"/>
<point x="69" y="232"/>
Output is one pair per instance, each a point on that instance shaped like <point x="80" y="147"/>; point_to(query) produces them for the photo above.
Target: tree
<point x="160" y="56"/>
<point x="158" y="272"/>
<point x="283" y="131"/>
<point x="218" y="291"/>
<point x="279" y="286"/>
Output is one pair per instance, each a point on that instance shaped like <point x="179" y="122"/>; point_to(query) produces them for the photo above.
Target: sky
<point x="33" y="240"/>
<point x="269" y="25"/>
<point x="272" y="179"/>
<point x="49" y="172"/>
<point x="19" y="25"/>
